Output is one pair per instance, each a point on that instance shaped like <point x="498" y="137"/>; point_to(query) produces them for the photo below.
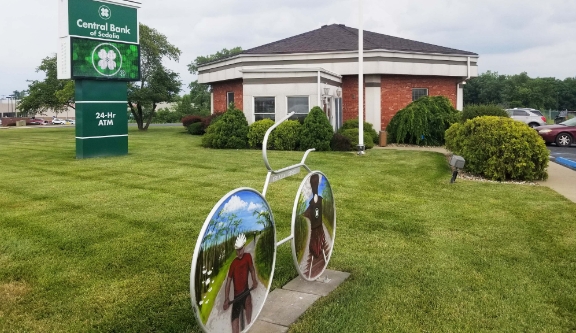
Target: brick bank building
<point x="320" y="68"/>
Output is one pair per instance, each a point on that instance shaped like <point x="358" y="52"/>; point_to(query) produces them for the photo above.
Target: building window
<point x="419" y="92"/>
<point x="229" y="98"/>
<point x="264" y="108"/>
<point x="300" y="107"/>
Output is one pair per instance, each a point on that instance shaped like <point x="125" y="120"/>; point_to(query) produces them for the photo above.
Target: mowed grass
<point x="105" y="245"/>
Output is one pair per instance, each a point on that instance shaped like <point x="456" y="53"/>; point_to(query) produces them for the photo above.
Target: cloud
<point x="252" y="206"/>
<point x="234" y="204"/>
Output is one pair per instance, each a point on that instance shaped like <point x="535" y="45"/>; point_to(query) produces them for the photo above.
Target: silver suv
<point x="531" y="117"/>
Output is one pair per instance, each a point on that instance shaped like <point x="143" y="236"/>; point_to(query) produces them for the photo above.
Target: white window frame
<point x="296" y="115"/>
<point x="254" y="108"/>
<point x="228" y="100"/>
<point x="427" y="93"/>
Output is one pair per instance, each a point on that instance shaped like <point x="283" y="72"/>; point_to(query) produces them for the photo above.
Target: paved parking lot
<point x="564" y="156"/>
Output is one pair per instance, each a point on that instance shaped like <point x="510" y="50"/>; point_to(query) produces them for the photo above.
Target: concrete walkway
<point x="560" y="178"/>
<point x="284" y="306"/>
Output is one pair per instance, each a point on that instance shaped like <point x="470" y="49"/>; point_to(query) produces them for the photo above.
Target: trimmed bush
<point x="340" y="142"/>
<point x="189" y="120"/>
<point x="351" y="124"/>
<point x="316" y="131"/>
<point x="423" y="122"/>
<point x="195" y="128"/>
<point x="479" y="110"/>
<point x="209" y="120"/>
<point x="352" y="135"/>
<point x="256" y="132"/>
<point x="229" y="131"/>
<point x="499" y="148"/>
<point x="286" y="136"/>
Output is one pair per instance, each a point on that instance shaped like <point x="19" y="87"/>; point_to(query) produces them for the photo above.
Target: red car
<point x="563" y="134"/>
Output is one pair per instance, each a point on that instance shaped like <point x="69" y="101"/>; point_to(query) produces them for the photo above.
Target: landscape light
<point x="457" y="163"/>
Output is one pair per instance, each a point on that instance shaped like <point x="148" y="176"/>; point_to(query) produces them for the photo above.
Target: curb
<point x="565" y="162"/>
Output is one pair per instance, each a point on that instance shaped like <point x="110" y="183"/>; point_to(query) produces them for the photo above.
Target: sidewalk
<point x="560" y="178"/>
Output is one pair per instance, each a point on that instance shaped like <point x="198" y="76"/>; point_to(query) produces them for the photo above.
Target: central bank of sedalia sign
<point x="99" y="40"/>
<point x="99" y="20"/>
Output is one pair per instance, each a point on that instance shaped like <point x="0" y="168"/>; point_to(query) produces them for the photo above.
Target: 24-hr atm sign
<point x="98" y="20"/>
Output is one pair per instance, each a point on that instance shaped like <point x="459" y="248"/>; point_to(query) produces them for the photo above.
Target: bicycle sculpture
<point x="233" y="262"/>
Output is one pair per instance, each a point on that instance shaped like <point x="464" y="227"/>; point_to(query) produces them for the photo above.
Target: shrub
<point x="195" y="128"/>
<point x="229" y="131"/>
<point x="209" y="120"/>
<point x="189" y="120"/>
<point x="423" y="122"/>
<point x="499" y="148"/>
<point x="286" y="136"/>
<point x="340" y="142"/>
<point x="316" y="131"/>
<point x="257" y="131"/>
<point x="350" y="124"/>
<point x="479" y="110"/>
<point x="352" y="135"/>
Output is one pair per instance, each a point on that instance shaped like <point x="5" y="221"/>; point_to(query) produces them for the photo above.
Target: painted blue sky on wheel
<point x="243" y="204"/>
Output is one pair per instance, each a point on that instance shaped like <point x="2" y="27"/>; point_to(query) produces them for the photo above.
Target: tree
<point x="199" y="92"/>
<point x="200" y="98"/>
<point x="157" y="83"/>
<point x="49" y="94"/>
<point x="19" y="94"/>
<point x="225" y="53"/>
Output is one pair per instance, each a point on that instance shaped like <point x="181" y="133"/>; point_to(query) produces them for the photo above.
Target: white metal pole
<point x="361" y="82"/>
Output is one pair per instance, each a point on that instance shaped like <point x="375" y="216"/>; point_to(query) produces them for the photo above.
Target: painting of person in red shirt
<point x="241" y="267"/>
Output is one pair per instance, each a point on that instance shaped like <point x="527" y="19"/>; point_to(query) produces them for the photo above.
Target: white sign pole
<point x="361" y="83"/>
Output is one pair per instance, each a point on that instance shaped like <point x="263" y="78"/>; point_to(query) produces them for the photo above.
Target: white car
<point x="70" y="122"/>
<point x="57" y="121"/>
<point x="530" y="117"/>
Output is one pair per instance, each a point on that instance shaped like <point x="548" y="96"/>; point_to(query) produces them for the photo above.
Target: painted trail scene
<point x="314" y="223"/>
<point x="235" y="262"/>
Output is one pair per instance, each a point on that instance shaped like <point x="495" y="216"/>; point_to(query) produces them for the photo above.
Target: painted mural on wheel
<point x="233" y="263"/>
<point x="314" y="225"/>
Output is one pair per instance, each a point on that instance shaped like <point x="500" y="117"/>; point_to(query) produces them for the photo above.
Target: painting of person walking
<point x="314" y="226"/>
<point x="233" y="262"/>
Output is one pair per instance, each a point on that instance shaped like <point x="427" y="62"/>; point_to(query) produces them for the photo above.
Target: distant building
<point x="320" y="68"/>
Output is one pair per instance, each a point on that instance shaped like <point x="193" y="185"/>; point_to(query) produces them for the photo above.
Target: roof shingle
<point x="338" y="37"/>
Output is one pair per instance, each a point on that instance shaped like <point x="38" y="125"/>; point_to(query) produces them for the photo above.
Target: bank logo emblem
<point x="106" y="59"/>
<point x="104" y="12"/>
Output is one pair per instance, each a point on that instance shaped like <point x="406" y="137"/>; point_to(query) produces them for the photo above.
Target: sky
<point x="511" y="36"/>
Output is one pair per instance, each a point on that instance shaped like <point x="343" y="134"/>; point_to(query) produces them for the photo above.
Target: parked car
<point x="70" y="122"/>
<point x="562" y="134"/>
<point x="531" y="117"/>
<point x="57" y="121"/>
<point x="37" y="122"/>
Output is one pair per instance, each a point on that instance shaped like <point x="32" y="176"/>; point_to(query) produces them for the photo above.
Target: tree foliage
<point x="520" y="90"/>
<point x="230" y="131"/>
<point x="423" y="122"/>
<point x="472" y="111"/>
<point x="49" y="94"/>
<point x="316" y="131"/>
<point x="157" y="84"/>
<point x="200" y="60"/>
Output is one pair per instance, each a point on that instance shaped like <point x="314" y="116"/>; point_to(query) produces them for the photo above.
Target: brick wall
<point x="221" y="88"/>
<point x="396" y="91"/>
<point x="350" y="97"/>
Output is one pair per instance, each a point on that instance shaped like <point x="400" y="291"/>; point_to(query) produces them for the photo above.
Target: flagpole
<point x="361" y="82"/>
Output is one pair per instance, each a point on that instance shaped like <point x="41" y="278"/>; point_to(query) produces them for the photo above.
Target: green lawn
<point x="105" y="245"/>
